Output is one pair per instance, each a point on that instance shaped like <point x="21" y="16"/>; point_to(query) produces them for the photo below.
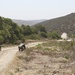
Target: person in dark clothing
<point x="21" y="47"/>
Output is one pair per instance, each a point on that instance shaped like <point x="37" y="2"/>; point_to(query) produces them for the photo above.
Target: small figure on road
<point x="21" y="47"/>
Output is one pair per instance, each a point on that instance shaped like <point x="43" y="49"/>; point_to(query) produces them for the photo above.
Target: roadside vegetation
<point x="57" y="45"/>
<point x="50" y="57"/>
<point x="11" y="32"/>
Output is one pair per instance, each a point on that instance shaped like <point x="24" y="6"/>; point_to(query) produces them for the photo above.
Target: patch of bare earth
<point x="41" y="62"/>
<point x="8" y="54"/>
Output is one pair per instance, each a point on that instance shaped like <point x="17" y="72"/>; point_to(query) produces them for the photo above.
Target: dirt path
<point x="7" y="54"/>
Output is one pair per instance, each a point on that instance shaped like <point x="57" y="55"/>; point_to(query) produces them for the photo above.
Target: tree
<point x="40" y="28"/>
<point x="54" y="35"/>
<point x="43" y="34"/>
<point x="1" y="39"/>
<point x="13" y="38"/>
<point x="27" y="30"/>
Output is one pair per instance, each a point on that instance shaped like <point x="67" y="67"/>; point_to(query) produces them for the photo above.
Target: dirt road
<point x="7" y="55"/>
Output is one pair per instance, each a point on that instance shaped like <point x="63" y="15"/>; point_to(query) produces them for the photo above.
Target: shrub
<point x="33" y="37"/>
<point x="43" y="34"/>
<point x="54" y="35"/>
<point x="66" y="56"/>
<point x="1" y="39"/>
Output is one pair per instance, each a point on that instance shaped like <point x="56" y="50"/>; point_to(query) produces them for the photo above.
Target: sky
<point x="36" y="9"/>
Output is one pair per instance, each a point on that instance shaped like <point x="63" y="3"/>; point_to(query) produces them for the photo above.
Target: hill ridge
<point x="61" y="24"/>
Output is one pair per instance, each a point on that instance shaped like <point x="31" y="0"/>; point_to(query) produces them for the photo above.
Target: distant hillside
<point x="61" y="24"/>
<point x="28" y="22"/>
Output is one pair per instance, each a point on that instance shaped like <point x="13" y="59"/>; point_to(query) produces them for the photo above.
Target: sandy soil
<point x="7" y="55"/>
<point x="39" y="62"/>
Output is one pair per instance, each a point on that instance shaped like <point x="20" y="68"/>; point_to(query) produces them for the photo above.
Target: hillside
<point x="61" y="24"/>
<point x="28" y="22"/>
<point x="11" y="32"/>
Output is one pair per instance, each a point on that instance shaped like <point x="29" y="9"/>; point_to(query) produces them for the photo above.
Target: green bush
<point x="43" y="34"/>
<point x="54" y="35"/>
<point x="1" y="39"/>
<point x="33" y="37"/>
<point x="66" y="56"/>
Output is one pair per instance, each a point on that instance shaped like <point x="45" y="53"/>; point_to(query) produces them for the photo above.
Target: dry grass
<point x="42" y="60"/>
